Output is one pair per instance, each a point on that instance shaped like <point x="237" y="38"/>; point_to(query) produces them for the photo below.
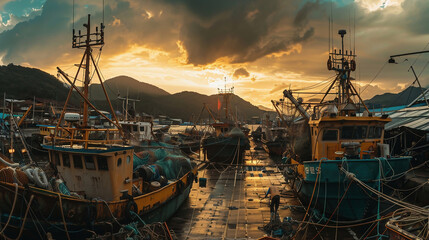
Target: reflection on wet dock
<point x="232" y="205"/>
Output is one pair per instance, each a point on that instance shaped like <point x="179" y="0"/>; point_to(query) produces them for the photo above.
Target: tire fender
<point x="40" y="178"/>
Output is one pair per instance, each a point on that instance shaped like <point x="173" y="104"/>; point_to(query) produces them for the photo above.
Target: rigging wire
<point x="376" y="75"/>
<point x="316" y="84"/>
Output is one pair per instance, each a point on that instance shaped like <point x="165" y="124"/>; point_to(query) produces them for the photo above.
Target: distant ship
<point x="229" y="142"/>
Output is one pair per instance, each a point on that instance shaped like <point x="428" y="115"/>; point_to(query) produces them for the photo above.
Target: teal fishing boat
<point x="338" y="143"/>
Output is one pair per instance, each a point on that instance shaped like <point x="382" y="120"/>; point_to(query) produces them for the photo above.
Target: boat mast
<point x="87" y="44"/>
<point x="226" y="94"/>
<point x="90" y="40"/>
<point x="343" y="63"/>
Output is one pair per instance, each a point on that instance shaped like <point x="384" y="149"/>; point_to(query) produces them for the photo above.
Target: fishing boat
<point x="228" y="143"/>
<point x="337" y="143"/>
<point x="189" y="140"/>
<point x="275" y="140"/>
<point x="96" y="185"/>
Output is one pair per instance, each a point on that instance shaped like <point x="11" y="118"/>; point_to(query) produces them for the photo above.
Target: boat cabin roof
<point x="341" y="120"/>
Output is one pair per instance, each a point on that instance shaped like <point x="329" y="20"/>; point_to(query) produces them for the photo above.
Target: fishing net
<point x="161" y="159"/>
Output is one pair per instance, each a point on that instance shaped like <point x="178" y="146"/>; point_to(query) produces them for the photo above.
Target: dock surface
<point x="232" y="205"/>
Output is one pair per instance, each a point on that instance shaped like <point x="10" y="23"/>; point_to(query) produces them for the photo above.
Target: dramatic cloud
<point x="189" y="44"/>
<point x="240" y="72"/>
<point x="242" y="32"/>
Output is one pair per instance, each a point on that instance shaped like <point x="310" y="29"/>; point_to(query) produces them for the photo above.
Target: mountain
<point x="265" y="109"/>
<point x="122" y="85"/>
<point x="155" y="101"/>
<point x="25" y="83"/>
<point x="391" y="99"/>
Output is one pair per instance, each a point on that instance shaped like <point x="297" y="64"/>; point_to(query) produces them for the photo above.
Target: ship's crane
<point x="302" y="111"/>
<point x="25" y="115"/>
<point x="278" y="111"/>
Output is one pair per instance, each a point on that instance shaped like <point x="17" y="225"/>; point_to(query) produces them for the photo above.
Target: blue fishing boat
<point x="338" y="142"/>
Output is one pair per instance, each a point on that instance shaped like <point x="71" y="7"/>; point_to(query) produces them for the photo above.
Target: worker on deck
<point x="274" y="201"/>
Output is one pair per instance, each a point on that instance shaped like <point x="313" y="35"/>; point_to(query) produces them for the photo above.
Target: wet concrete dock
<point x="232" y="205"/>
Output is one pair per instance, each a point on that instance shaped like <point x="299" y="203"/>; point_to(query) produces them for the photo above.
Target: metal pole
<point x="417" y="80"/>
<point x="86" y="82"/>
<point x="11" y="130"/>
<point x="34" y="106"/>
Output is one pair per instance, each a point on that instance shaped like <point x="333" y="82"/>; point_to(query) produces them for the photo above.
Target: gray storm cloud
<point x="238" y="31"/>
<point x="241" y="72"/>
<point x="243" y="32"/>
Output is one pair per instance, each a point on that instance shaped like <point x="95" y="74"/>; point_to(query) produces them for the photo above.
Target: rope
<point x="114" y="218"/>
<point x="25" y="217"/>
<point x="376" y="75"/>
<point x="311" y="199"/>
<point x="398" y="202"/>
<point x="11" y="211"/>
<point x="62" y="216"/>
<point x="338" y="205"/>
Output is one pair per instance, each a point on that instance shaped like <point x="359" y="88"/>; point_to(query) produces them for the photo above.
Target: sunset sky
<point x="261" y="46"/>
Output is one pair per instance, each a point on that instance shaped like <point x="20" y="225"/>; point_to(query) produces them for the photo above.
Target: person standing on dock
<point x="274" y="201"/>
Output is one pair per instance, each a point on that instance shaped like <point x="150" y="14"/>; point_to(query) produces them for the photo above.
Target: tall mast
<point x="87" y="41"/>
<point x="87" y="65"/>
<point x="226" y="94"/>
<point x="343" y="63"/>
<point x="90" y="39"/>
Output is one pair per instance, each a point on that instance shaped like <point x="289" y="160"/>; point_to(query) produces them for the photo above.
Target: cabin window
<point x="353" y="132"/>
<point x="89" y="162"/>
<point x="66" y="160"/>
<point x="119" y="162"/>
<point x="128" y="159"/>
<point x="77" y="161"/>
<point x="330" y="135"/>
<point x="360" y="132"/>
<point x="102" y="163"/>
<point x="375" y="132"/>
<point x="142" y="129"/>
<point x="135" y="129"/>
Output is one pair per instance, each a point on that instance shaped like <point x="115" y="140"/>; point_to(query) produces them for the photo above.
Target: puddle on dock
<point x="231" y="206"/>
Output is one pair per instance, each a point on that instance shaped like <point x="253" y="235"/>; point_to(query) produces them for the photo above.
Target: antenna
<point x="226" y="93"/>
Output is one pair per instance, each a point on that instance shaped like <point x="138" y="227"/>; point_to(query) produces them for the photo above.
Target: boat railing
<point x="84" y="137"/>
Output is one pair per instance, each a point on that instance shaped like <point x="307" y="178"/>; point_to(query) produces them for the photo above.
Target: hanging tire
<point x="30" y="174"/>
<point x="40" y="178"/>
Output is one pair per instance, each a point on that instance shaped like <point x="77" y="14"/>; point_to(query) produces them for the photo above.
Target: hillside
<point x="25" y="83"/>
<point x="121" y="85"/>
<point x="391" y="99"/>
